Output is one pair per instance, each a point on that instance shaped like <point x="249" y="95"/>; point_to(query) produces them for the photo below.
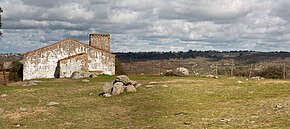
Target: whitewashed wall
<point x="42" y="63"/>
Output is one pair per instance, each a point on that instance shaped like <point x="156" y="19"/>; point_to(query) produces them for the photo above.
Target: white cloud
<point x="149" y="25"/>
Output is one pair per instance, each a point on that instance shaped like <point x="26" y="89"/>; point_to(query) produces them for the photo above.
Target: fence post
<point x="232" y="69"/>
<point x="250" y="74"/>
<point x="284" y="71"/>
<point x="130" y="67"/>
<point x="136" y="68"/>
<point x="4" y="74"/>
<point x="160" y="67"/>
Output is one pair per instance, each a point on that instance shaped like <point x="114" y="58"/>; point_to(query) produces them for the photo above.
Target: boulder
<point x="130" y="88"/>
<point x="118" y="88"/>
<point x="181" y="71"/>
<point x="121" y="84"/>
<point x="132" y="82"/>
<point x="122" y="78"/>
<point x="107" y="87"/>
<point x="80" y="74"/>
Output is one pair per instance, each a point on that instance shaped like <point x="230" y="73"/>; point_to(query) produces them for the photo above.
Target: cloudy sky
<point x="149" y="25"/>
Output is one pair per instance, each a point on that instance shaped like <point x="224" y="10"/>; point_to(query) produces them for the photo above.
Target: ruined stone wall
<point x="100" y="41"/>
<point x="42" y="63"/>
<point x="74" y="63"/>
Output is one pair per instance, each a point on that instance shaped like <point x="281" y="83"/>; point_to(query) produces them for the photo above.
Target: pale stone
<point x="181" y="71"/>
<point x="107" y="87"/>
<point x="130" y="88"/>
<point x="52" y="103"/>
<point x="118" y="88"/>
<point x="122" y="78"/>
<point x="85" y="80"/>
<point x="4" y="95"/>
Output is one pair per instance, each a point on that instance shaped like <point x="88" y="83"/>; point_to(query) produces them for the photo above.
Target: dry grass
<point x="187" y="102"/>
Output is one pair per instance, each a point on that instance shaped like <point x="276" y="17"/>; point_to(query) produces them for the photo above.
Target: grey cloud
<point x="41" y="3"/>
<point x="201" y="10"/>
<point x="149" y="25"/>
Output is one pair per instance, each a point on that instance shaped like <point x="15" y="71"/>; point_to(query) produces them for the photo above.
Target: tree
<point x="1" y="11"/>
<point x="16" y="71"/>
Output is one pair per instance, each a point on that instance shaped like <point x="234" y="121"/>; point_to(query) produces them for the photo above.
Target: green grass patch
<point x="186" y="102"/>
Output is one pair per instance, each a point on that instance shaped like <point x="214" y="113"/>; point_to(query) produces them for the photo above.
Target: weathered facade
<point x="61" y="59"/>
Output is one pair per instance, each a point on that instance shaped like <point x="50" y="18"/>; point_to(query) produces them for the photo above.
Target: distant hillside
<point x="245" y="57"/>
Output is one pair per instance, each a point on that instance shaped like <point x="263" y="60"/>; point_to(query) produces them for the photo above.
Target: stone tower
<point x="100" y="41"/>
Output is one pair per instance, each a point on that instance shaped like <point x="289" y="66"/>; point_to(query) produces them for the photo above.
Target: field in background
<point x="170" y="102"/>
<point x="204" y="66"/>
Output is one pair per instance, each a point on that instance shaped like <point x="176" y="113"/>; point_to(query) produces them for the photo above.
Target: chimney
<point x="100" y="41"/>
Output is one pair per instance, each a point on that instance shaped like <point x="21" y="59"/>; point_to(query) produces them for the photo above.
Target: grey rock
<point x="80" y="74"/>
<point x="278" y="106"/>
<point x="187" y="122"/>
<point x="107" y="87"/>
<point x="30" y="83"/>
<point x="130" y="88"/>
<point x="85" y="80"/>
<point x="122" y="78"/>
<point x="90" y="94"/>
<point x="118" y="88"/>
<point x="164" y="86"/>
<point x="138" y="85"/>
<point x="2" y="110"/>
<point x="23" y="109"/>
<point x="132" y="82"/>
<point x="107" y="95"/>
<point x="239" y="82"/>
<point x="52" y="103"/>
<point x="35" y="81"/>
<point x="181" y="71"/>
<point x="149" y="86"/>
<point x="4" y="95"/>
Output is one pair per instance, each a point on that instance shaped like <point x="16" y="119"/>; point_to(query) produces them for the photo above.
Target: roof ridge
<point x="67" y="39"/>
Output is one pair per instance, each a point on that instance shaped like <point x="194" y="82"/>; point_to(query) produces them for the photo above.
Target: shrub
<point x="16" y="72"/>
<point x="273" y="72"/>
<point x="242" y="71"/>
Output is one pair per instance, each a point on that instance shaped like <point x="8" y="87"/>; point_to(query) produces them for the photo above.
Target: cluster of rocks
<point x="181" y="71"/>
<point x="82" y="74"/>
<point x="120" y="85"/>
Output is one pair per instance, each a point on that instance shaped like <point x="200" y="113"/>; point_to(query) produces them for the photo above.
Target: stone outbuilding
<point x="61" y="59"/>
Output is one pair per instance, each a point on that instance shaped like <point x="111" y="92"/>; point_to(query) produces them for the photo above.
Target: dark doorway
<point x="57" y="70"/>
<point x="16" y="71"/>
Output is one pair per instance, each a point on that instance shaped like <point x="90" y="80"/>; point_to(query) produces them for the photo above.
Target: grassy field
<point x="186" y="102"/>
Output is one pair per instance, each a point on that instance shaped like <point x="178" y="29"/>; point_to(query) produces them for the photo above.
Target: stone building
<point x="61" y="59"/>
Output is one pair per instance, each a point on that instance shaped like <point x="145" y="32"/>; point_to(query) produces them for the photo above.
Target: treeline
<point x="246" y="57"/>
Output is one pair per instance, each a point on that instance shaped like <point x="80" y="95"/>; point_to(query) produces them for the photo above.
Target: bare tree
<point x="1" y="11"/>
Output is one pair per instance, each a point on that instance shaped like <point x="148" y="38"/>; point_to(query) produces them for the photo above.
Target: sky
<point x="149" y="25"/>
